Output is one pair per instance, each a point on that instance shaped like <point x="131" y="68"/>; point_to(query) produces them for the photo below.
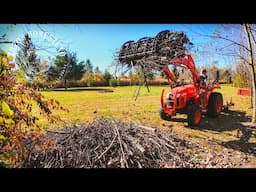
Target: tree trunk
<point x="65" y="84"/>
<point x="253" y="72"/>
<point x="253" y="94"/>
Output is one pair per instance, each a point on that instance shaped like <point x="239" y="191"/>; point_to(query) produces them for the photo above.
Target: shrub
<point x="17" y="122"/>
<point x="114" y="82"/>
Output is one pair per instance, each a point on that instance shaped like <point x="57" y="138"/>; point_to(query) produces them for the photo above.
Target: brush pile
<point x="108" y="143"/>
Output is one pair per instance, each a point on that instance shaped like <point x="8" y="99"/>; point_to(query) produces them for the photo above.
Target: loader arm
<point x="187" y="62"/>
<point x="169" y="75"/>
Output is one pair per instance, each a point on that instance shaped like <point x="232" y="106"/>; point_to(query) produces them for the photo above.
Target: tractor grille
<point x="170" y="103"/>
<point x="177" y="102"/>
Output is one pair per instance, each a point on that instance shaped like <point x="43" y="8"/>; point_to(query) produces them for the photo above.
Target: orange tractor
<point x="156" y="53"/>
<point x="190" y="99"/>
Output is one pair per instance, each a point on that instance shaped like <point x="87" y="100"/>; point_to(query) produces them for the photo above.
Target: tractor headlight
<point x="169" y="96"/>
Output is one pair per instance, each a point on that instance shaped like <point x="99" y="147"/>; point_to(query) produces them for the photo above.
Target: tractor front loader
<point x="171" y="48"/>
<point x="191" y="99"/>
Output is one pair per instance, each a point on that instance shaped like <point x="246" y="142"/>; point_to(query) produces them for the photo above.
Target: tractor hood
<point x="177" y="98"/>
<point x="183" y="90"/>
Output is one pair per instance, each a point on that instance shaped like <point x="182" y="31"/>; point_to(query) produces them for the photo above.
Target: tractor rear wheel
<point x="215" y="104"/>
<point x="164" y="116"/>
<point x="194" y="116"/>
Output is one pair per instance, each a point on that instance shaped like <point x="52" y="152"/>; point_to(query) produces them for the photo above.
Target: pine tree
<point x="27" y="59"/>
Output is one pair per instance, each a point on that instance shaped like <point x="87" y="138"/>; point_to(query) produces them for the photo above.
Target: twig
<point x="59" y="132"/>
<point x="107" y="148"/>
<point x="119" y="139"/>
<point x="147" y="128"/>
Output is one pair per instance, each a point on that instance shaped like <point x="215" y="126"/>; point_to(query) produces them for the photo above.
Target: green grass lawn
<point x="86" y="104"/>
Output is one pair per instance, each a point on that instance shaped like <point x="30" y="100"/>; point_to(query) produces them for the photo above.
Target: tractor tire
<point x="215" y="104"/>
<point x="194" y="116"/>
<point x="164" y="116"/>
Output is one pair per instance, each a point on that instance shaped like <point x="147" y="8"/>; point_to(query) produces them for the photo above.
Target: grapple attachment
<point x="147" y="50"/>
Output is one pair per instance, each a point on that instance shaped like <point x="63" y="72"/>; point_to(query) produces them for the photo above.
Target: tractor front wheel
<point x="215" y="104"/>
<point x="164" y="116"/>
<point x="194" y="116"/>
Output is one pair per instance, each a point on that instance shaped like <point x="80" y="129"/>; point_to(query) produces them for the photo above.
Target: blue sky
<point x="98" y="42"/>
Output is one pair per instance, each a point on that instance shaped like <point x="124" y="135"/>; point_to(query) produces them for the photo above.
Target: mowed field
<point x="86" y="104"/>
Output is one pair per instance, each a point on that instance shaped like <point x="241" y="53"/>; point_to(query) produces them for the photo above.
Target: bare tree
<point x="237" y="41"/>
<point x="243" y="47"/>
<point x="251" y="49"/>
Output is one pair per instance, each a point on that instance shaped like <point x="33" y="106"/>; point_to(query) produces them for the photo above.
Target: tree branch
<point x="224" y="38"/>
<point x="236" y="55"/>
<point x="252" y="35"/>
<point x="236" y="43"/>
<point x="38" y="25"/>
<point x="226" y="46"/>
<point x="10" y="42"/>
<point x="244" y="59"/>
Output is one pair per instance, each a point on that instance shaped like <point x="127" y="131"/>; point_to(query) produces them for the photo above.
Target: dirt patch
<point x="106" y="91"/>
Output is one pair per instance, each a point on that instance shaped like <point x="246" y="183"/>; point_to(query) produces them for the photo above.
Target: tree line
<point x="67" y="71"/>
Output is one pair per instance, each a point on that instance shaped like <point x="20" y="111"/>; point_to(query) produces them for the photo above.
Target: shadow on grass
<point x="229" y="121"/>
<point x="177" y="119"/>
<point x="80" y="89"/>
<point x="226" y="121"/>
<point x="237" y="145"/>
